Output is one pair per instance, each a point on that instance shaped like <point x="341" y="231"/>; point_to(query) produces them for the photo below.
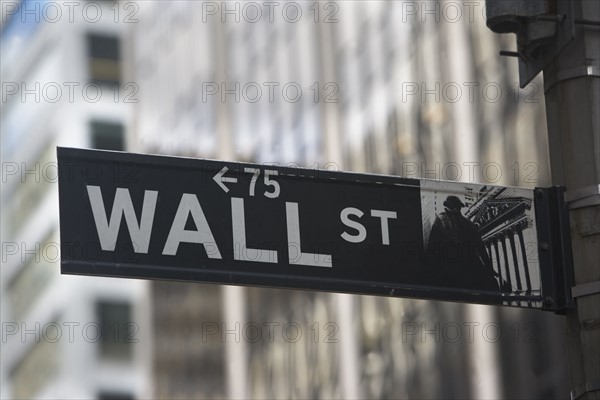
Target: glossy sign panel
<point x="157" y="217"/>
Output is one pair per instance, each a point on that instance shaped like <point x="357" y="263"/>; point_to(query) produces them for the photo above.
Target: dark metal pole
<point x="572" y="87"/>
<point x="562" y="37"/>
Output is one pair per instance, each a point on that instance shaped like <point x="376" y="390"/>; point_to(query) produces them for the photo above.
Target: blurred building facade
<point x="407" y="88"/>
<point x="62" y="336"/>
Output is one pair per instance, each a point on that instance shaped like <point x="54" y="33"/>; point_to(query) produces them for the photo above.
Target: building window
<point x="107" y="135"/>
<point x="30" y="192"/>
<point x="104" y="59"/>
<point x="34" y="275"/>
<point x="37" y="369"/>
<point x="117" y="328"/>
<point x="106" y="395"/>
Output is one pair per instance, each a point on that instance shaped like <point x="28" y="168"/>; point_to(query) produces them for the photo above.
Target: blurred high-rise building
<point x="62" y="85"/>
<point x="408" y="88"/>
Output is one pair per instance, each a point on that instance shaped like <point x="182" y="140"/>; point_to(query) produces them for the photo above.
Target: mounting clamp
<point x="583" y="197"/>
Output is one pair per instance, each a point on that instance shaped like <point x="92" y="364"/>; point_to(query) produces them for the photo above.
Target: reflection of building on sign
<point x="457" y="255"/>
<point x="507" y="229"/>
<point x="503" y="218"/>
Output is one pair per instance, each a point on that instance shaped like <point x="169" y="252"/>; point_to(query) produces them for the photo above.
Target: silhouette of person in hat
<point x="456" y="251"/>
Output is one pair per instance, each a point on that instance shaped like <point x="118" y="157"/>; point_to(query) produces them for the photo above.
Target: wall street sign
<point x="146" y="216"/>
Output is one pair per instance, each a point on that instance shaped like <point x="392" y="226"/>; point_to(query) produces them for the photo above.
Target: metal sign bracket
<point x="585" y="289"/>
<point x="583" y="197"/>
<point x="554" y="238"/>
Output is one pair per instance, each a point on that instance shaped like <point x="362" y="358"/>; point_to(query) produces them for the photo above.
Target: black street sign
<point x="157" y="217"/>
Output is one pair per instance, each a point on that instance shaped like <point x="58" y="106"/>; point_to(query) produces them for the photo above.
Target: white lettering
<point x="362" y="231"/>
<point x="108" y="231"/>
<point x="189" y="204"/>
<point x="384" y="216"/>
<point x="293" y="231"/>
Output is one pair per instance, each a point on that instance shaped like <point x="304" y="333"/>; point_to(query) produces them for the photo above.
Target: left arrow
<point x="219" y="178"/>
